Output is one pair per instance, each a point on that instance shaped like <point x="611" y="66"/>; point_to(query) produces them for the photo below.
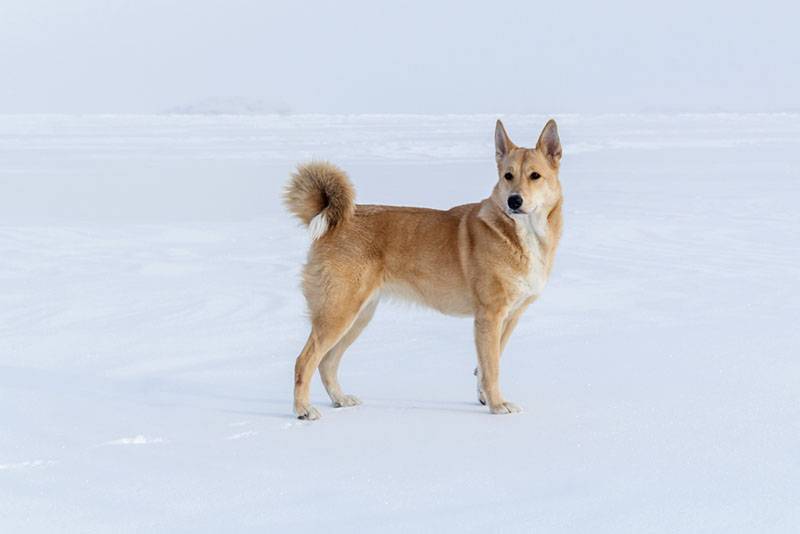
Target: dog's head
<point x="527" y="177"/>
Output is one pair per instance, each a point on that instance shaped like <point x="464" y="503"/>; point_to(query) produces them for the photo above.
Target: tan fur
<point x="320" y="188"/>
<point x="480" y="260"/>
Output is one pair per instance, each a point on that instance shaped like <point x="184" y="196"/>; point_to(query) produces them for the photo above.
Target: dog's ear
<point x="549" y="144"/>
<point x="502" y="143"/>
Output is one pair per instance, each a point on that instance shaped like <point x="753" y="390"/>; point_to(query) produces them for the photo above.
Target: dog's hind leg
<point x="329" y="366"/>
<point x="324" y="335"/>
<point x="335" y="304"/>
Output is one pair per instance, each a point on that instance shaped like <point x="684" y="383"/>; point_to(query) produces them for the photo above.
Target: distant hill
<point x="229" y="105"/>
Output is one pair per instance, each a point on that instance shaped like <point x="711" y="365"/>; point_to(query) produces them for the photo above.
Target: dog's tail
<point x="320" y="195"/>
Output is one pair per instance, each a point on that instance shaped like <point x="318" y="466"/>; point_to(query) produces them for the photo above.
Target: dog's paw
<point x="345" y="401"/>
<point x="307" y="412"/>
<point x="505" y="407"/>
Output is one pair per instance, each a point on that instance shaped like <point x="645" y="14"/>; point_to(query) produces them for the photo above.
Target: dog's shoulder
<point x="515" y="250"/>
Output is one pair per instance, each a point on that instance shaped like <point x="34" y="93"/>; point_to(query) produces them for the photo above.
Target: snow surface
<point x="150" y="315"/>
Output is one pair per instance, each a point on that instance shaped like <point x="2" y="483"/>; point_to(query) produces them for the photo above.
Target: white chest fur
<point x="533" y="234"/>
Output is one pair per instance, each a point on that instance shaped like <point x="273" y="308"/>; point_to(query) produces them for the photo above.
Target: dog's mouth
<point x="517" y="211"/>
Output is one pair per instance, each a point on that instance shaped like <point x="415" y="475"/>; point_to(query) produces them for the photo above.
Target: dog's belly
<point x="444" y="300"/>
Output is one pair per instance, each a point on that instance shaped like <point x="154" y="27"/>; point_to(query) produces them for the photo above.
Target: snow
<point x="150" y="315"/>
<point x="136" y="440"/>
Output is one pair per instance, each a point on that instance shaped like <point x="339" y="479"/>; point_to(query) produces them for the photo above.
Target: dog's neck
<point x="533" y="234"/>
<point x="533" y="223"/>
<point x="539" y="226"/>
<point x="538" y="232"/>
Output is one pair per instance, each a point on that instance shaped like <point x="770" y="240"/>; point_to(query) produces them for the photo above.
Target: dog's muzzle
<point x="515" y="202"/>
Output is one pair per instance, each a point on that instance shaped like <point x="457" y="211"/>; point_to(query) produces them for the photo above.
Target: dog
<point x="489" y="260"/>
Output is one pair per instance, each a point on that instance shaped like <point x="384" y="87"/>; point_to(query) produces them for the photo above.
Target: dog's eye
<point x="508" y="176"/>
<point x="535" y="176"/>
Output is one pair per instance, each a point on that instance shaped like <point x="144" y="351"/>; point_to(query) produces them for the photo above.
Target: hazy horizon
<point x="358" y="57"/>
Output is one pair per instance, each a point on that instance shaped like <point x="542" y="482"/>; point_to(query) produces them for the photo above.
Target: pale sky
<point x="85" y="56"/>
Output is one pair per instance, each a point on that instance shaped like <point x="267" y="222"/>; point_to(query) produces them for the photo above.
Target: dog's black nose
<point x="514" y="202"/>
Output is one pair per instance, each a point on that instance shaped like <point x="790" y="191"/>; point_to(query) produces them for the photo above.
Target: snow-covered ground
<point x="150" y="316"/>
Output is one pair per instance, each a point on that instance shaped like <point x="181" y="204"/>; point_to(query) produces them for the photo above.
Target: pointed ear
<point x="502" y="143"/>
<point x="549" y="144"/>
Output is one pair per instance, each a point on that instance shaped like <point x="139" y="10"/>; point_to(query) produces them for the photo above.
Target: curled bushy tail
<point x="320" y="195"/>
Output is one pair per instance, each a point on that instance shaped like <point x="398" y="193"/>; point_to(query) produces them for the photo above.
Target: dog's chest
<point x="533" y="235"/>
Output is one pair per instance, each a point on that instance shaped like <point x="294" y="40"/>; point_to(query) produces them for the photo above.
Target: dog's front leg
<point x="508" y="327"/>
<point x="488" y="333"/>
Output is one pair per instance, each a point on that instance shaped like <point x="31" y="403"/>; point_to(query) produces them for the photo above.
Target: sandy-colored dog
<point x="489" y="260"/>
